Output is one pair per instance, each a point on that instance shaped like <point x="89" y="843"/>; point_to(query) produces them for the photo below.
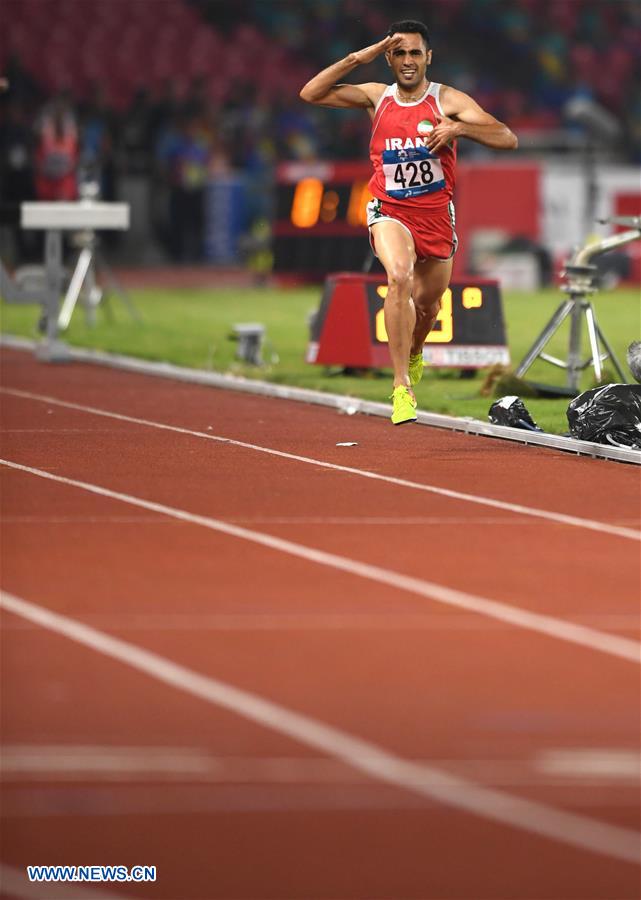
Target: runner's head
<point x="410" y="60"/>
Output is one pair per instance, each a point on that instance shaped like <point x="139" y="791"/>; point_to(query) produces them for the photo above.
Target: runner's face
<point x="409" y="61"/>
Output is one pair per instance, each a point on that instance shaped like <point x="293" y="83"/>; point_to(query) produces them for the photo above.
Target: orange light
<point x="359" y="197"/>
<point x="307" y="203"/>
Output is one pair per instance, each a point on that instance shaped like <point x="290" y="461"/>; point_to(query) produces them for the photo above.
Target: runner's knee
<point x="427" y="303"/>
<point x="399" y="276"/>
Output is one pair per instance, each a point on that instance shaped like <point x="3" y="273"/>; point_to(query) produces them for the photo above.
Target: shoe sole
<point x="405" y="421"/>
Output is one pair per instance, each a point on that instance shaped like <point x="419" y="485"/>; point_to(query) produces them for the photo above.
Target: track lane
<point x="549" y="563"/>
<point x="618" y="878"/>
<point x="391" y="661"/>
<point x="519" y="509"/>
<point x="530" y="475"/>
<point x="377" y="675"/>
<point x="512" y="613"/>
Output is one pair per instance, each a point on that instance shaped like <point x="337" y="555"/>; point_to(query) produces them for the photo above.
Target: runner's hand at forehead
<point x="367" y="54"/>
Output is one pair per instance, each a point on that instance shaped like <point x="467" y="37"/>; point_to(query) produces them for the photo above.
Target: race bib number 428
<point x="412" y="172"/>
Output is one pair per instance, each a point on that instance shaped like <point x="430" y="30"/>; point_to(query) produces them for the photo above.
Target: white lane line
<point x="548" y="625"/>
<point x="364" y="756"/>
<point x="559" y="518"/>
<point x="14" y="883"/>
<point x="401" y="620"/>
<point x="106" y="762"/>
<point x="85" y="520"/>
<point x="369" y="521"/>
<point x="613" y="763"/>
<point x="75" y="761"/>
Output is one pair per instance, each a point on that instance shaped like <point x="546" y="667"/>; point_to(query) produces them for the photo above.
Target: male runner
<point x="415" y="124"/>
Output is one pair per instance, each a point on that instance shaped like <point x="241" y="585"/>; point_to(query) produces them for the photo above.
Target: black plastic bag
<point x="511" y="411"/>
<point x="608" y="415"/>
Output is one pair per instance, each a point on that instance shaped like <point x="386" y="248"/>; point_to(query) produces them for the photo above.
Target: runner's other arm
<point x="465" y="118"/>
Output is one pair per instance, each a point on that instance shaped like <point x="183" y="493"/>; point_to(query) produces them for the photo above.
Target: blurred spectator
<point x="136" y="137"/>
<point x="165" y="107"/>
<point x="97" y="143"/>
<point x="197" y="100"/>
<point x="16" y="170"/>
<point x="22" y="86"/>
<point x="57" y="151"/>
<point x="16" y="161"/>
<point x="187" y="154"/>
<point x="295" y="129"/>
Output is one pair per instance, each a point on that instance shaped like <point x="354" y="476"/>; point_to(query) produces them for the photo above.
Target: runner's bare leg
<point x="431" y="278"/>
<point x="395" y="249"/>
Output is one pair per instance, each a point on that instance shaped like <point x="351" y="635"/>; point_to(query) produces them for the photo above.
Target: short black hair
<point x="409" y="26"/>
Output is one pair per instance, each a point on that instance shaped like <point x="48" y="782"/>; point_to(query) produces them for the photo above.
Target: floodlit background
<point x="189" y="111"/>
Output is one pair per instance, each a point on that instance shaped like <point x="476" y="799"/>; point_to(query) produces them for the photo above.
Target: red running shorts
<point x="432" y="231"/>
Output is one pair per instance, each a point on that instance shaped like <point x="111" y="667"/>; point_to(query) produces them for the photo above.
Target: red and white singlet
<point x="405" y="171"/>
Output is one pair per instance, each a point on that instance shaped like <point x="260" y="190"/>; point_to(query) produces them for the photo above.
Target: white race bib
<point x="412" y="172"/>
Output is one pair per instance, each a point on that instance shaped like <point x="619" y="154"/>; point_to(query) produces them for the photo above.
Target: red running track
<point x="297" y="610"/>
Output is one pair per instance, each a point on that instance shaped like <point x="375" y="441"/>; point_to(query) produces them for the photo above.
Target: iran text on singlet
<point x="405" y="171"/>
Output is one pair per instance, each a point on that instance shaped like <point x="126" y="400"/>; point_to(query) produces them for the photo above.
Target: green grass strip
<point x="192" y="328"/>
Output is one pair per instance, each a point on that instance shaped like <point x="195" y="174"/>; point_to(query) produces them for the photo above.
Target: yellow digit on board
<point x="381" y="331"/>
<point x="472" y="297"/>
<point x="443" y="335"/>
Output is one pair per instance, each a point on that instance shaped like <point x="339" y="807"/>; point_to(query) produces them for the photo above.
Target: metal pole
<point x="557" y="319"/>
<point x="583" y="256"/>
<point x="115" y="286"/>
<point x="75" y="286"/>
<point x="594" y="341"/>
<point x="53" y="278"/>
<point x="574" y="348"/>
<point x="611" y="352"/>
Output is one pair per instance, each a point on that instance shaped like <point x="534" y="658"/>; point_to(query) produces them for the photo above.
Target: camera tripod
<point x="581" y="281"/>
<point x="84" y="281"/>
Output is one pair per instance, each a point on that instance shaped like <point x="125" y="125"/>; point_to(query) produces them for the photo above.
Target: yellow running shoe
<point x="403" y="405"/>
<point x="416" y="368"/>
